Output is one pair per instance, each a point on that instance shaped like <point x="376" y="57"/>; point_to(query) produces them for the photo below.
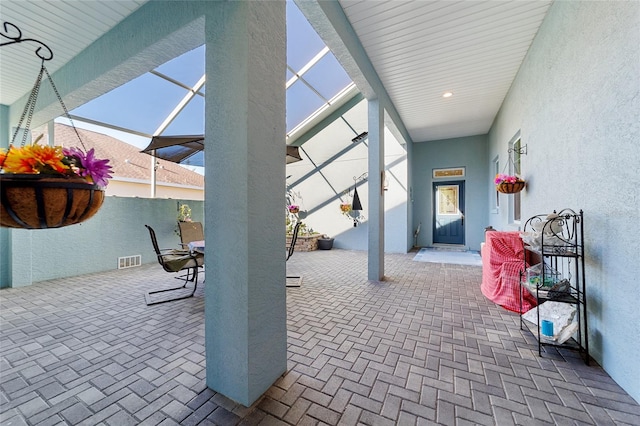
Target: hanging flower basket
<point x="345" y="207"/>
<point x="38" y="201"/>
<point x="44" y="186"/>
<point x="50" y="187"/>
<point x="293" y="208"/>
<point x="508" y="184"/>
<point x="510" y="188"/>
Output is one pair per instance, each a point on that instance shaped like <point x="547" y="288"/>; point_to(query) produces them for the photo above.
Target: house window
<point x="496" y="197"/>
<point x="516" y="170"/>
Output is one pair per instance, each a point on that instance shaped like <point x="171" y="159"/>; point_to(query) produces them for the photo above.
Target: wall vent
<point x="129" y="261"/>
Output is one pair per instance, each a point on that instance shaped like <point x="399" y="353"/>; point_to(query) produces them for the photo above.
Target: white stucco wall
<point x="576" y="101"/>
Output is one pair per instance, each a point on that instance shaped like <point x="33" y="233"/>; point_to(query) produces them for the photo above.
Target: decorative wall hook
<point x="521" y="151"/>
<point x="363" y="176"/>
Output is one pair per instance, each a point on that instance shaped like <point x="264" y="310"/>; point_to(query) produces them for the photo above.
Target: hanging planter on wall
<point x="509" y="184"/>
<point x="43" y="186"/>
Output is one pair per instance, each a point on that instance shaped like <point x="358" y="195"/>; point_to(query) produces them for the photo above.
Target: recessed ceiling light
<point x="447" y="94"/>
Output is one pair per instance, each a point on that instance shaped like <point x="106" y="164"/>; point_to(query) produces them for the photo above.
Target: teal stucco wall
<point x="470" y="153"/>
<point x="576" y="103"/>
<point x="95" y="245"/>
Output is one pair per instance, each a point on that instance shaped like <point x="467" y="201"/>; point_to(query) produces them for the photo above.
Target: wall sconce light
<point x="384" y="182"/>
<point x="362" y="136"/>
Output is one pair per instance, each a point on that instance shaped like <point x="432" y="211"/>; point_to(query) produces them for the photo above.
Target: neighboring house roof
<point x="126" y="160"/>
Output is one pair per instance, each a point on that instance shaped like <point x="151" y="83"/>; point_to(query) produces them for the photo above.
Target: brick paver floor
<point x="422" y="347"/>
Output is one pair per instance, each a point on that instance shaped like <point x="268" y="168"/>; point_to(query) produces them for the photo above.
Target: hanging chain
<point x="29" y="108"/>
<point x="64" y="107"/>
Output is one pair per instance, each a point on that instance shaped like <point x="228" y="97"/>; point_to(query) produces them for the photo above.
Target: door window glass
<point x="447" y="200"/>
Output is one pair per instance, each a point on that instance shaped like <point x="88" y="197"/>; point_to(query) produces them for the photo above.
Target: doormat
<point x="451" y="257"/>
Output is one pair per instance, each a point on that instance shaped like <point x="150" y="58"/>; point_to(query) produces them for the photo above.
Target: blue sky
<point x="157" y="97"/>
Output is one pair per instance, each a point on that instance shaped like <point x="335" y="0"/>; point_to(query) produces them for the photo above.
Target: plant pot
<point x="510" y="188"/>
<point x="325" y="243"/>
<point x="32" y="201"/>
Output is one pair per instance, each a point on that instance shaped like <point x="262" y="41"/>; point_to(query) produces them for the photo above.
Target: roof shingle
<point x="126" y="160"/>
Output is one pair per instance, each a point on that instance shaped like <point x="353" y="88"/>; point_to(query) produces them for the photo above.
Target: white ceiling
<point x="420" y="49"/>
<point x="66" y="26"/>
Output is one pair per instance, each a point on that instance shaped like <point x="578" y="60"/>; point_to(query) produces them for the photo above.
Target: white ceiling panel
<point x="421" y="49"/>
<point x="66" y="26"/>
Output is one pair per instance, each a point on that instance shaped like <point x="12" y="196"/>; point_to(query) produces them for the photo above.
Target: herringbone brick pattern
<point x="422" y="347"/>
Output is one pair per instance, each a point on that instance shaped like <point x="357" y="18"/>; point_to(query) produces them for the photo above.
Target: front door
<point x="448" y="218"/>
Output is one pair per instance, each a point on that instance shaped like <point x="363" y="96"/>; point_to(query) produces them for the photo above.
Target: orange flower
<point x="19" y="161"/>
<point x="49" y="157"/>
<point x="34" y="159"/>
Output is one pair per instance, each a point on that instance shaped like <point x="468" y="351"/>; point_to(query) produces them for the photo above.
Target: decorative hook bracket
<point x="521" y="151"/>
<point x="8" y="27"/>
<point x="363" y="176"/>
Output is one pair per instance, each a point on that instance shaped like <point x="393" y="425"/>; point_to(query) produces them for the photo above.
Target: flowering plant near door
<point x="508" y="184"/>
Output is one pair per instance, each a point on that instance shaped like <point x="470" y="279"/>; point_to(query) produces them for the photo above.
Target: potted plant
<point x="184" y="213"/>
<point x="508" y="184"/>
<point x="325" y="242"/>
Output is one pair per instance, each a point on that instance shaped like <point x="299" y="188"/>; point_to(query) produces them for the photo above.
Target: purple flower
<point x="89" y="166"/>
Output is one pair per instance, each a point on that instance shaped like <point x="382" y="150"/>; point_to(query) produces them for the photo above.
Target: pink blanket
<point x="502" y="260"/>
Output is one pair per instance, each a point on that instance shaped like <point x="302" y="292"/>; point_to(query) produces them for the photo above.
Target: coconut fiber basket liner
<point x="39" y="202"/>
<point x="510" y="188"/>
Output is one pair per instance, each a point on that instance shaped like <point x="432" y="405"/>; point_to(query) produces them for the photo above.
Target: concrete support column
<point x="376" y="193"/>
<point x="245" y="300"/>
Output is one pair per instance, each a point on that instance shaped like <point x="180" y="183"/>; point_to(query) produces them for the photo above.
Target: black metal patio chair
<point x="290" y="250"/>
<point x="176" y="261"/>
